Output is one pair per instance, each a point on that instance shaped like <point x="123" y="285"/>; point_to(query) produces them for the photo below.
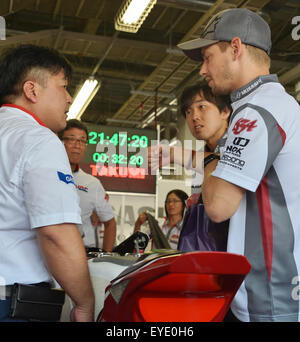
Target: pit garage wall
<point x="127" y="206"/>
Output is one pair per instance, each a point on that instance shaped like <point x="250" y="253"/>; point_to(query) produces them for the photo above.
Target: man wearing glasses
<point x="90" y="190"/>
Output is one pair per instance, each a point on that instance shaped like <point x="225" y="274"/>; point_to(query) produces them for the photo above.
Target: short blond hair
<point x="257" y="55"/>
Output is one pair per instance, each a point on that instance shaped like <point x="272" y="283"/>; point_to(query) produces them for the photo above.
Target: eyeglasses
<point x="73" y="141"/>
<point x="172" y="201"/>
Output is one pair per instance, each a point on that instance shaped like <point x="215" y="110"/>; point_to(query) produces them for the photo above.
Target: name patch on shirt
<point x="82" y="188"/>
<point x="65" y="178"/>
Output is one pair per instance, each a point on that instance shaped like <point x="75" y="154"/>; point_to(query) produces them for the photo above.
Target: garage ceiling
<point x="143" y="72"/>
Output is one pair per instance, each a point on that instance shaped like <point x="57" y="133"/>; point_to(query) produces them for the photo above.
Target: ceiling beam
<point x="125" y="60"/>
<point x="191" y="5"/>
<point x="120" y="75"/>
<point x="20" y="37"/>
<point x="28" y="37"/>
<point x="80" y="5"/>
<point x="106" y="40"/>
<point x="15" y="6"/>
<point x="57" y="8"/>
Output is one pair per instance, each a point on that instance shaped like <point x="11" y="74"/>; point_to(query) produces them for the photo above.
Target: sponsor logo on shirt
<point x="233" y="161"/>
<point x="174" y="238"/>
<point x="241" y="141"/>
<point x="82" y="188"/>
<point x="243" y="92"/>
<point x="238" y="146"/>
<point x="65" y="178"/>
<point x="244" y="125"/>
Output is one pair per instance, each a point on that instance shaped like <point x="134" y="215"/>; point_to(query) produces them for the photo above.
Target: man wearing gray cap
<point x="256" y="181"/>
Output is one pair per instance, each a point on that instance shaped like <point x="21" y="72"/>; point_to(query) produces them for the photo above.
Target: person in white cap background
<point x="256" y="181"/>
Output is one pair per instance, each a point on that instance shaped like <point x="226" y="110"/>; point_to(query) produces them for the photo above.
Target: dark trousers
<point x="230" y="317"/>
<point x="4" y="312"/>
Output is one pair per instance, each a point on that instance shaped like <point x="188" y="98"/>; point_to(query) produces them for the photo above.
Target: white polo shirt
<point x="262" y="155"/>
<point x="92" y="197"/>
<point x="172" y="234"/>
<point x="36" y="190"/>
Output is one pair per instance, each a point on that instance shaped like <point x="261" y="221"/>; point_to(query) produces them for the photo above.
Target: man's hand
<point x="140" y="220"/>
<point x="163" y="154"/>
<point x="95" y="219"/>
<point x="159" y="156"/>
<point x="81" y="314"/>
<point x="110" y="232"/>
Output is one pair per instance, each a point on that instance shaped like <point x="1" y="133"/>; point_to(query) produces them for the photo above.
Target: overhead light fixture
<point x="132" y="14"/>
<point x="83" y="98"/>
<point x="151" y="117"/>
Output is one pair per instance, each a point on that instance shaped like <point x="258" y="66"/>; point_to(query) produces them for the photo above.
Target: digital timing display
<point x="118" y="157"/>
<point x="121" y="140"/>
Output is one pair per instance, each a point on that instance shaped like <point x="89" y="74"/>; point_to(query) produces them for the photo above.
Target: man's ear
<point x="225" y="113"/>
<point x="236" y="45"/>
<point x="30" y="91"/>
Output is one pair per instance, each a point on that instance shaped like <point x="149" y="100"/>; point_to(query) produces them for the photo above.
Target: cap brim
<point x="192" y="48"/>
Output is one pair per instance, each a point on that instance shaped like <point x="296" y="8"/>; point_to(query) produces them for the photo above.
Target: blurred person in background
<point x="90" y="190"/>
<point x="174" y="208"/>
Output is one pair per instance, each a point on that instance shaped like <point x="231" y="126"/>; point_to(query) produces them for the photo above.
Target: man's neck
<point x="250" y="75"/>
<point x="212" y="143"/>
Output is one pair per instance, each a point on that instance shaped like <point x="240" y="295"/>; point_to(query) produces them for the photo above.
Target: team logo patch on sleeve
<point x="65" y="178"/>
<point x="244" y="124"/>
<point x="82" y="188"/>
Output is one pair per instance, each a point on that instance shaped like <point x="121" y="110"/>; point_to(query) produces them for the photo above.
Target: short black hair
<point x="189" y="94"/>
<point x="17" y="63"/>
<point x="181" y="195"/>
<point x="73" y="123"/>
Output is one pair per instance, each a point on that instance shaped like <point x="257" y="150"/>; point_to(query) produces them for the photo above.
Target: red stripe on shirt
<point x="26" y="111"/>
<point x="266" y="224"/>
<point x="282" y="133"/>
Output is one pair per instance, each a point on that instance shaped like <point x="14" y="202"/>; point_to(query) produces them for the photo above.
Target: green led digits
<point x="118" y="139"/>
<point x="120" y="159"/>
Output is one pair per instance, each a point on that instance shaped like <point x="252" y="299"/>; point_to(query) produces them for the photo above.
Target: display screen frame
<point x="117" y="156"/>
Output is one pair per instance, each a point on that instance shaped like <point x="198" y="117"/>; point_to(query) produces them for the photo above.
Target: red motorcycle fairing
<point x="177" y="287"/>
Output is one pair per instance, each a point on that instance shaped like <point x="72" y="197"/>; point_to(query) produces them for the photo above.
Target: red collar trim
<point x="26" y="111"/>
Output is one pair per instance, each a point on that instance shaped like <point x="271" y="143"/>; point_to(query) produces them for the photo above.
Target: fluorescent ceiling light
<point x="151" y="117"/>
<point x="83" y="98"/>
<point x="160" y="110"/>
<point x="132" y="14"/>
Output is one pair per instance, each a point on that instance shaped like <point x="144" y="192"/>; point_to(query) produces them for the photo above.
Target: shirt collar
<point x="26" y="111"/>
<point x="251" y="86"/>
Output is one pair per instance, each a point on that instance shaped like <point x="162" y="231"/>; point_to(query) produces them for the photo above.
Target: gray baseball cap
<point x="225" y="25"/>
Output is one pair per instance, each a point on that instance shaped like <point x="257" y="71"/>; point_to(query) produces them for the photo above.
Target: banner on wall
<point x="127" y="208"/>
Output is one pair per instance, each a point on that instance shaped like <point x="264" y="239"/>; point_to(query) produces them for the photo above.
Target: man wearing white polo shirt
<point x="90" y="190"/>
<point x="39" y="206"/>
